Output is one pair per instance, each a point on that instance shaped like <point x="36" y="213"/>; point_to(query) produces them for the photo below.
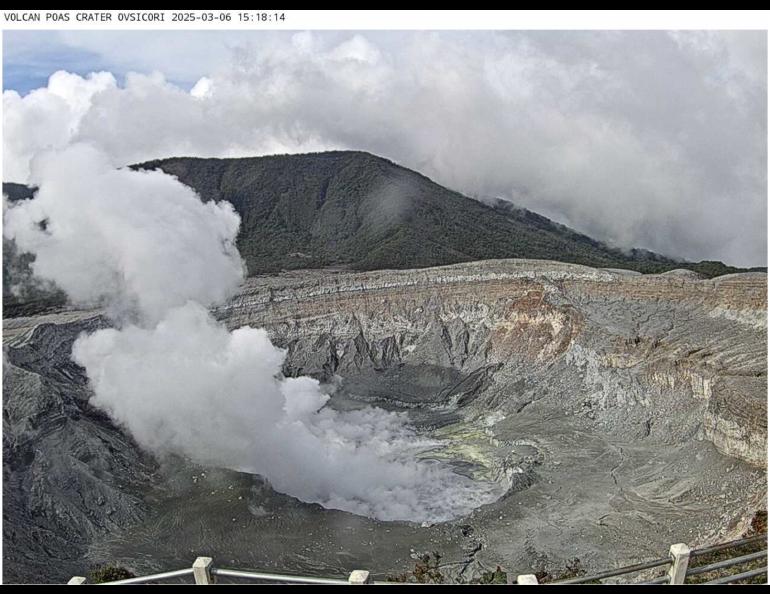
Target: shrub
<point x="109" y="573"/>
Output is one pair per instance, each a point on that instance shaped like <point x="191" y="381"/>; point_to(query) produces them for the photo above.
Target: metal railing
<point x="677" y="564"/>
<point x="204" y="573"/>
<point x="145" y="579"/>
<point x="731" y="544"/>
<point x="731" y="562"/>
<point x="616" y="572"/>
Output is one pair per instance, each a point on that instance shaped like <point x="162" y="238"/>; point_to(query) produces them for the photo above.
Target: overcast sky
<point x="647" y="139"/>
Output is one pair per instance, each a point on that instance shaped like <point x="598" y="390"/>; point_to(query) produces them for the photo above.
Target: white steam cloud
<point x="189" y="386"/>
<point x="141" y="242"/>
<point x="178" y="380"/>
<point x="649" y="139"/>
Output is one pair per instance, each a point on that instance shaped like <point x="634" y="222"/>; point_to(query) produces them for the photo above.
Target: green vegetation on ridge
<point x="357" y="210"/>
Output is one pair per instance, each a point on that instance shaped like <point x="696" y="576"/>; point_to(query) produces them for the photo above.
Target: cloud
<point x="46" y="118"/>
<point x="139" y="242"/>
<point x="648" y="139"/>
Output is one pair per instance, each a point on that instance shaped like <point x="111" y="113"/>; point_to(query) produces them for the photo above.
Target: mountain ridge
<point x="400" y="217"/>
<point x="355" y="210"/>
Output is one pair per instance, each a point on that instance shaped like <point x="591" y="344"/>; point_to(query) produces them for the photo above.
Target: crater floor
<point x="628" y="412"/>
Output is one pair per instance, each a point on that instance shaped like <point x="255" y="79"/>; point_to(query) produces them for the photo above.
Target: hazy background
<point x="648" y="139"/>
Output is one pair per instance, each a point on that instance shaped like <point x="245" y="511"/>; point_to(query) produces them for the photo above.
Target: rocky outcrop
<point x="69" y="475"/>
<point x="736" y="418"/>
<point x="617" y="340"/>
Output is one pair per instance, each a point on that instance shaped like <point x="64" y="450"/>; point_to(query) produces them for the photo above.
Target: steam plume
<point x="146" y="246"/>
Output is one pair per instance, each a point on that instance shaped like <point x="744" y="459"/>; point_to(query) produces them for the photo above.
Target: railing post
<point x="527" y="579"/>
<point x="680" y="559"/>
<point x="76" y="581"/>
<point x="202" y="571"/>
<point x="359" y="577"/>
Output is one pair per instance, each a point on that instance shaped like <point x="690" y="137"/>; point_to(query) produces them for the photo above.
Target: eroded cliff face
<point x="626" y="412"/>
<point x="668" y="356"/>
<point x="69" y="475"/>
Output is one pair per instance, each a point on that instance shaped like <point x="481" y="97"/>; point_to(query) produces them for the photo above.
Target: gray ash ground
<point x="590" y="392"/>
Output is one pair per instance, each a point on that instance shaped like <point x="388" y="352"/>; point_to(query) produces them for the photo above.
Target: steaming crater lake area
<point x="596" y="405"/>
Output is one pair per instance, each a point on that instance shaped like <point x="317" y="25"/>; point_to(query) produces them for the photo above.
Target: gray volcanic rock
<point x="69" y="475"/>
<point x="736" y="418"/>
<point x="470" y="327"/>
<point x="630" y="412"/>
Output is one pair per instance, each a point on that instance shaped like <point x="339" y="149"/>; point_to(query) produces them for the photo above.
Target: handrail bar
<point x="664" y="579"/>
<point x="728" y="545"/>
<point x="275" y="577"/>
<point x="615" y="572"/>
<point x="728" y="579"/>
<point x="167" y="575"/>
<point x="727" y="563"/>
